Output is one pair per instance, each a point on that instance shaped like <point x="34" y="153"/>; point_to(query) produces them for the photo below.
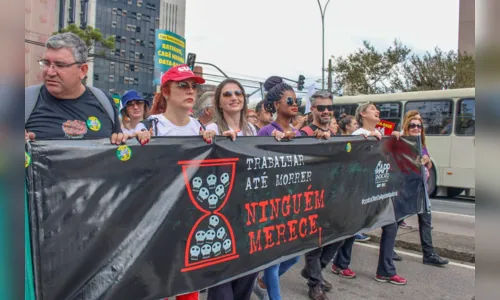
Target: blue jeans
<point x="272" y="277"/>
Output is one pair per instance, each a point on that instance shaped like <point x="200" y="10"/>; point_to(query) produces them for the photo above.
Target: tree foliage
<point x="92" y="37"/>
<point x="397" y="69"/>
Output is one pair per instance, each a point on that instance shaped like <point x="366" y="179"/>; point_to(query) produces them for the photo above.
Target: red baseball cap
<point x="180" y="73"/>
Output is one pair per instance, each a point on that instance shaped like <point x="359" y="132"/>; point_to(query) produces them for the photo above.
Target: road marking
<point x="463" y="265"/>
<point x="453" y="202"/>
<point x="451" y="214"/>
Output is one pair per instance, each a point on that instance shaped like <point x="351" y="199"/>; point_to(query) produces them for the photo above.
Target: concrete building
<point x="466" y="27"/>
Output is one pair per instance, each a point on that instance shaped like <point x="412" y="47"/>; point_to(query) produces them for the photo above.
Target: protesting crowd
<point x="63" y="107"/>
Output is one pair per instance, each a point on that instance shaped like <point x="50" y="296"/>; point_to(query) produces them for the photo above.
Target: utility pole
<point x="330" y="75"/>
<point x="322" y="11"/>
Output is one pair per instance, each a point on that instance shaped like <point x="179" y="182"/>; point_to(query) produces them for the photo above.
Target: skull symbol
<point x="195" y="252"/>
<point x="197" y="182"/>
<point x="216" y="248"/>
<point x="227" y="246"/>
<point x="224" y="178"/>
<point x="205" y="251"/>
<point x="200" y="237"/>
<point x="213" y="221"/>
<point x="203" y="195"/>
<point x="221" y="233"/>
<point x="210" y="236"/>
<point x="212" y="201"/>
<point x="219" y="190"/>
<point x="211" y="180"/>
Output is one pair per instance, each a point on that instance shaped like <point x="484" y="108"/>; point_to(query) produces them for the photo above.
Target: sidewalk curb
<point x="444" y="251"/>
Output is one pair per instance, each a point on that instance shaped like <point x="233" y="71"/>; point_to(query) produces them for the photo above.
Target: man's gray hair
<point x="206" y="101"/>
<point x="70" y="41"/>
<point x="322" y="95"/>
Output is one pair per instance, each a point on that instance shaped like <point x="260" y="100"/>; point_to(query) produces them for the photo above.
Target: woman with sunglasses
<point x="135" y="109"/>
<point x="412" y="126"/>
<point x="230" y="112"/>
<point x="178" y="91"/>
<point x="280" y="99"/>
<point x="367" y="116"/>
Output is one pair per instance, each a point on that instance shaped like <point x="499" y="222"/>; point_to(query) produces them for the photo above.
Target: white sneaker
<point x="260" y="292"/>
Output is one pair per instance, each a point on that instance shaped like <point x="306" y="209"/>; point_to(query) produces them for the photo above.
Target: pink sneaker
<point x="346" y="273"/>
<point x="396" y="279"/>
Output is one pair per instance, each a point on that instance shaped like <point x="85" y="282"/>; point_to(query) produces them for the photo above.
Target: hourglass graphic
<point x="209" y="184"/>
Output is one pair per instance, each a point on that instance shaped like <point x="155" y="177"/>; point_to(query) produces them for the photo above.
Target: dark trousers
<point x="343" y="258"/>
<point x="237" y="289"/>
<point x="424" y="228"/>
<point x="387" y="242"/>
<point x="318" y="259"/>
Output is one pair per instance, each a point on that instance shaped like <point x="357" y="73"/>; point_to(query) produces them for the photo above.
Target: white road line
<point x="463" y="265"/>
<point x="453" y="202"/>
<point x="452" y="214"/>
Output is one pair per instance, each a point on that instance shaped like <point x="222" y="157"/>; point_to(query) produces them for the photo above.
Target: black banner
<point x="178" y="215"/>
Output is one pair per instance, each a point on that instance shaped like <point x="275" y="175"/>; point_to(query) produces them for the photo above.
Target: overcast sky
<point x="260" y="38"/>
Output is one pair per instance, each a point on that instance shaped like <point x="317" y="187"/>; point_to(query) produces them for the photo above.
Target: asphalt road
<point x="457" y="205"/>
<point x="453" y="282"/>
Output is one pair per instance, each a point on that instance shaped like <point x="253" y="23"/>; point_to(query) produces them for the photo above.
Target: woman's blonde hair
<point x="407" y="122"/>
<point x="361" y="109"/>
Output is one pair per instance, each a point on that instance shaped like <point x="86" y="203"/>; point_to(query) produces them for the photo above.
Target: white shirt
<point x="128" y="131"/>
<point x="167" y="128"/>
<point x="361" y="131"/>
<point x="214" y="127"/>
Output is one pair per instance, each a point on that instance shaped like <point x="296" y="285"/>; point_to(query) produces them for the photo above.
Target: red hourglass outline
<point x="208" y="163"/>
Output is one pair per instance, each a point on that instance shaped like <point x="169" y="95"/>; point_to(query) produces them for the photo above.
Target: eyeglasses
<point x="321" y="108"/>
<point x="290" y="101"/>
<point x="134" y="102"/>
<point x="237" y="93"/>
<point x="413" y="126"/>
<point x="186" y="86"/>
<point x="45" y="64"/>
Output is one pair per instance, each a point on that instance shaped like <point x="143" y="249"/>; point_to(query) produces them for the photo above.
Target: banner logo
<point x="382" y="174"/>
<point x="123" y="152"/>
<point x="211" y="240"/>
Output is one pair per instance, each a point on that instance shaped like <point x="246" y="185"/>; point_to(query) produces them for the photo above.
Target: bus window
<point x="390" y="111"/>
<point x="465" y="123"/>
<point x="348" y="109"/>
<point x="436" y="114"/>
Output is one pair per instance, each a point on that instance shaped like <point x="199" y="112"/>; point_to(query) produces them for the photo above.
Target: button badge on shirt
<point x="93" y="123"/>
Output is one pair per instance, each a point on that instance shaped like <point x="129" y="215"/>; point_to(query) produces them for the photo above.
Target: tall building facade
<point x="132" y="23"/>
<point x="467" y="27"/>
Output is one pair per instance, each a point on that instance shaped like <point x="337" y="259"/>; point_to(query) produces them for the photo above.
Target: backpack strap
<point x="30" y="98"/>
<point x="202" y="126"/>
<point x="105" y="102"/>
<point x="307" y="130"/>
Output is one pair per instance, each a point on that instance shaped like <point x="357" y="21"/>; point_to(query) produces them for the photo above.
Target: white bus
<point x="449" y="121"/>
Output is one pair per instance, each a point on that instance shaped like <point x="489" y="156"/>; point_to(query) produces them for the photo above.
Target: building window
<point x="111" y="78"/>
<point x="139" y="3"/>
<point x="113" y="11"/>
<point x="138" y="29"/>
<point x="111" y="91"/>
<point x="113" y="24"/>
<point x="129" y="2"/>
<point x="112" y="65"/>
<point x="122" y="53"/>
<point x="150" y="6"/>
<point x="136" y="80"/>
<point x="150" y="70"/>
<point x="96" y="77"/>
<point x="127" y="67"/>
<point x="112" y="52"/>
<point x="137" y="42"/>
<point x="151" y="44"/>
<point x="124" y="39"/>
<point x="124" y="13"/>
<point x="152" y="31"/>
<point x="118" y="38"/>
<point x="139" y="15"/>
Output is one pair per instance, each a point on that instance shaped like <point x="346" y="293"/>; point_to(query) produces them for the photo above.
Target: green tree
<point x="93" y="38"/>
<point x="369" y="71"/>
<point x="437" y="70"/>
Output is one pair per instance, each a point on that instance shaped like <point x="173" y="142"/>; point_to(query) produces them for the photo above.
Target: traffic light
<point x="300" y="85"/>
<point x="191" y="60"/>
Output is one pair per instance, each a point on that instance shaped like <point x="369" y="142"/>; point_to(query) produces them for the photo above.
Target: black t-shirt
<point x="84" y="117"/>
<point x="313" y="128"/>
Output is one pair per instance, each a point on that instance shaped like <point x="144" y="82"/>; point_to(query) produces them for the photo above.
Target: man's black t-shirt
<point x="313" y="128"/>
<point x="84" y="117"/>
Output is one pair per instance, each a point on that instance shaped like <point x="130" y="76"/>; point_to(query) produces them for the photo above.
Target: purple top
<point x="268" y="129"/>
<point x="425" y="152"/>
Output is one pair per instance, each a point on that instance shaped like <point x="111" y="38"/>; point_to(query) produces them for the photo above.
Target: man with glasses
<point x="322" y="112"/>
<point x="63" y="107"/>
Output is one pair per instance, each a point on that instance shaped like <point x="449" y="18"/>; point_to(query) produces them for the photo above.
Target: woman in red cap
<point x="178" y="92"/>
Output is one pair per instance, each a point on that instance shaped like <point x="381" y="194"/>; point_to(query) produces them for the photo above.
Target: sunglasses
<point x="134" y="102"/>
<point x="237" y="93"/>
<point x="321" y="108"/>
<point x="290" y="101"/>
<point x="186" y="86"/>
<point x="413" y="126"/>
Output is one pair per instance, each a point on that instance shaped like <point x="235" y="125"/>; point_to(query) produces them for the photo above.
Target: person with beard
<point x="322" y="111"/>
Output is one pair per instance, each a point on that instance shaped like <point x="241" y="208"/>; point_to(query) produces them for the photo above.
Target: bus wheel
<point x="432" y="183"/>
<point x="453" y="192"/>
